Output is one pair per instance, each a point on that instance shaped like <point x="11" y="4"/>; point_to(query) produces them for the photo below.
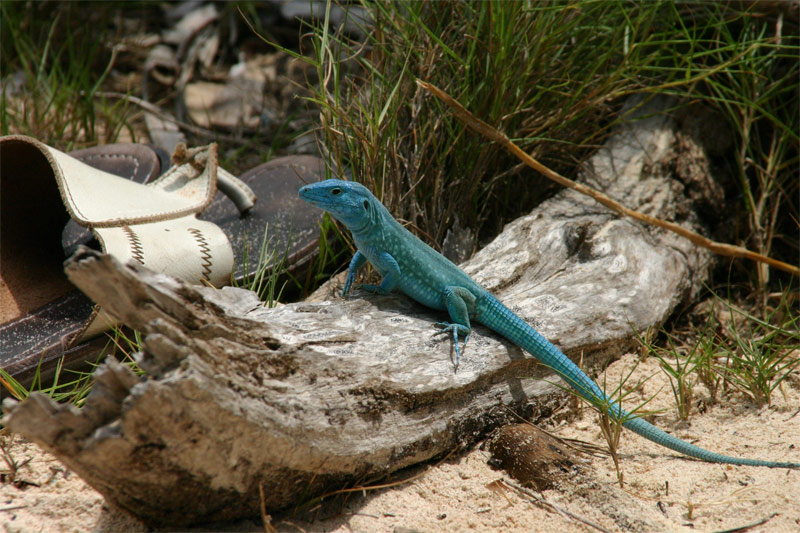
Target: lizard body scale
<point x="409" y="265"/>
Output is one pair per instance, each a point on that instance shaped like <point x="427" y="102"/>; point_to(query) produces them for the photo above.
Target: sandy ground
<point x="661" y="493"/>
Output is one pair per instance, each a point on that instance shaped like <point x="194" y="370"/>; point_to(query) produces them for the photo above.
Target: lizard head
<point x="347" y="201"/>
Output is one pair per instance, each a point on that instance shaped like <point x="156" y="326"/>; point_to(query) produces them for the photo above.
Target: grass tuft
<point x="733" y="349"/>
<point x="552" y="76"/>
<point x="51" y="72"/>
<point x="73" y="386"/>
<point x="265" y="280"/>
<point x="758" y="354"/>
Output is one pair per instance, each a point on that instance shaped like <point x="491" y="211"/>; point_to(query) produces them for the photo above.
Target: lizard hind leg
<point x="459" y="303"/>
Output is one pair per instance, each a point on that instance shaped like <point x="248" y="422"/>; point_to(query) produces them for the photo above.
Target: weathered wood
<point x="314" y="396"/>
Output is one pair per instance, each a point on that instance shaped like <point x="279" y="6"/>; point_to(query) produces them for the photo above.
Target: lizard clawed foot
<point x="455" y="329"/>
<point x="375" y="289"/>
<point x="347" y="284"/>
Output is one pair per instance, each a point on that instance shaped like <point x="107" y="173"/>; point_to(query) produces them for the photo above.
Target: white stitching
<point x="137" y="250"/>
<point x="205" y="252"/>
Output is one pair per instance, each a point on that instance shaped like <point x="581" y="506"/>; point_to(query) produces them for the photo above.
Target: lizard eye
<point x="336" y="192"/>
<point x="366" y="205"/>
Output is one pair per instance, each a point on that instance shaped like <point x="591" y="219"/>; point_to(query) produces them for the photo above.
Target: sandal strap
<point x="95" y="198"/>
<point x="238" y="191"/>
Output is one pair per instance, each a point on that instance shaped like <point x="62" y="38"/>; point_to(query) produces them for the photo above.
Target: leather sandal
<point x="292" y="227"/>
<point x="42" y="317"/>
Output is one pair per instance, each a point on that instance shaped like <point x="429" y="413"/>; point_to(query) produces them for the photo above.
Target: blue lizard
<point x="417" y="270"/>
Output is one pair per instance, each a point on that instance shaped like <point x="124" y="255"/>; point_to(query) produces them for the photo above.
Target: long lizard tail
<point x="502" y="320"/>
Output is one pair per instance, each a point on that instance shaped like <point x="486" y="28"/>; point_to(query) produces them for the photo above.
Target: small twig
<point x="364" y="514"/>
<point x="749" y="526"/>
<point x="365" y="488"/>
<point x="541" y="500"/>
<point x="11" y="462"/>
<point x="481" y="127"/>
<point x="612" y="430"/>
<point x="578" y="445"/>
<point x="266" y="519"/>
<point x="150" y="108"/>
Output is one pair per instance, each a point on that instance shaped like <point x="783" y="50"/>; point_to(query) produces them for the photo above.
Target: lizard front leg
<point x="459" y="302"/>
<point x="356" y="263"/>
<point x="386" y="264"/>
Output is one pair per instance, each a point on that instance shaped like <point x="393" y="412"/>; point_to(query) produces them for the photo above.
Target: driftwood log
<point x="311" y="397"/>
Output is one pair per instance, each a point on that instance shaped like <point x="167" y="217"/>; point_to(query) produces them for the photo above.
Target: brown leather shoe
<point x="41" y="313"/>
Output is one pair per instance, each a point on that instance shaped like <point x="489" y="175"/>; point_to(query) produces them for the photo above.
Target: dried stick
<point x="154" y="109"/>
<point x="560" y="510"/>
<point x="474" y="123"/>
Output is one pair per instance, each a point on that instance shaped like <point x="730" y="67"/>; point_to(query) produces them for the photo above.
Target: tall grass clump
<point x="514" y="65"/>
<point x="51" y="70"/>
<point x="757" y="353"/>
<point x="552" y="76"/>
<point x="749" y="72"/>
<point x="752" y="351"/>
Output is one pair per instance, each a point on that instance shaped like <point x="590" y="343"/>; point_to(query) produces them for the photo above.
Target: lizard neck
<point x="375" y="226"/>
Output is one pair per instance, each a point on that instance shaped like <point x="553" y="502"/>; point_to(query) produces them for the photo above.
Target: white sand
<point x="461" y="494"/>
